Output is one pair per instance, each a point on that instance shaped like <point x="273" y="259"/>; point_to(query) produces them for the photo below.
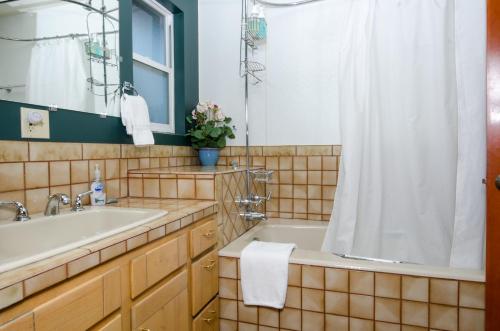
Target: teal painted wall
<point x="74" y="126"/>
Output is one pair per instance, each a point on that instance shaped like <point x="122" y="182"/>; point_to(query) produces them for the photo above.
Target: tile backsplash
<point x="30" y="171"/>
<point x="303" y="185"/>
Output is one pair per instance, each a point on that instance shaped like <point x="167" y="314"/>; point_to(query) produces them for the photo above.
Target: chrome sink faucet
<point x="53" y="203"/>
<point x="22" y="214"/>
<point x="78" y="205"/>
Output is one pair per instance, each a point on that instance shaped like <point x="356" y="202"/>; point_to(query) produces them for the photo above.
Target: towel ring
<point x="128" y="87"/>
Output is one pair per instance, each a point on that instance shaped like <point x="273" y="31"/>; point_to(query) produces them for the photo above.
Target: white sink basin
<point x="45" y="236"/>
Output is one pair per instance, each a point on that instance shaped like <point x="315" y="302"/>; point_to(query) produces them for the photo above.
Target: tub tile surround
<point x="336" y="299"/>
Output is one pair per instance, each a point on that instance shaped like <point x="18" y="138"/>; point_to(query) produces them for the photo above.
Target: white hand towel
<point x="264" y="273"/>
<point x="135" y="117"/>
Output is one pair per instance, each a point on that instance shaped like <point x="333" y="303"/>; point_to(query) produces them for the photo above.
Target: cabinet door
<point x="114" y="324"/>
<point x="165" y="309"/>
<point x="81" y="307"/>
<point x="23" y="323"/>
<point x="203" y="237"/>
<point x="208" y="319"/>
<point x="156" y="264"/>
<point x="205" y="280"/>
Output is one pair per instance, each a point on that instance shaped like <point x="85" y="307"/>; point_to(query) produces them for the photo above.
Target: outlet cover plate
<point x="40" y="130"/>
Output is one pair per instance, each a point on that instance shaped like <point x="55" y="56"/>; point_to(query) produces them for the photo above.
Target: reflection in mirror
<point x="61" y="53"/>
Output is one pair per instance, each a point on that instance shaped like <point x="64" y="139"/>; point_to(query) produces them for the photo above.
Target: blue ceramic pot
<point x="209" y="156"/>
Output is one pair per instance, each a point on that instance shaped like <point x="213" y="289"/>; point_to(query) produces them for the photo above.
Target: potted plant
<point x="208" y="132"/>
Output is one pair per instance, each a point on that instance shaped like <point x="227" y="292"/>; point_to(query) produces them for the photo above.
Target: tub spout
<point x="253" y="216"/>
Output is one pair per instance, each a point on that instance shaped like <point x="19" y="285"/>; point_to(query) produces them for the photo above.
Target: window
<point x="152" y="42"/>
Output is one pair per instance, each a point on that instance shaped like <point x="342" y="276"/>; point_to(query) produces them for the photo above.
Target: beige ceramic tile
<point x="286" y="177"/>
<point x="247" y="327"/>
<point x="314" y="206"/>
<point x="36" y="174"/>
<point x="137" y="241"/>
<point x="329" y="192"/>
<point x="314" y="192"/>
<point x="278" y="150"/>
<point x="11" y="177"/>
<point x="415" y="288"/>
<point x="412" y="328"/>
<point x="49" y="151"/>
<point x="329" y="162"/>
<point x="361" y="306"/>
<point x="113" y="251"/>
<point x="313" y="300"/>
<point x="327" y="207"/>
<point x="286" y="191"/>
<point x="314" y="177"/>
<point x="387" y="310"/>
<point x="186" y="188"/>
<point x="79" y="171"/>
<point x="293" y="297"/>
<point x="11" y="295"/>
<point x="300" y="163"/>
<point x="337" y="149"/>
<point x="472" y="295"/>
<point x="151" y="187"/>
<point x="300" y="206"/>
<point x="228" y="288"/>
<point x="384" y="326"/>
<point x="387" y="285"/>
<point x="336" y="323"/>
<point x="228" y="325"/>
<point x="132" y="164"/>
<point x="13" y="151"/>
<point x="168" y="188"/>
<point x="123" y="187"/>
<point x="227" y="267"/>
<point x="314" y="163"/>
<point x="286" y="163"/>
<point x="112" y="169"/>
<point x="247" y="313"/>
<point x="100" y="151"/>
<point x="286" y="205"/>
<point x="290" y="319"/>
<point x="471" y="319"/>
<point x="228" y="309"/>
<point x="312" y="321"/>
<point x="361" y="282"/>
<point x="205" y="189"/>
<point x="160" y="151"/>
<point x="123" y="168"/>
<point x="269" y="317"/>
<point x="44" y="280"/>
<point x="415" y="313"/>
<point x="300" y="177"/>
<point x="144" y="163"/>
<point x="300" y="191"/>
<point x="135" y="187"/>
<point x="443" y="317"/>
<point x="314" y="150"/>
<point x="64" y="189"/>
<point x="59" y="173"/>
<point x="444" y="291"/>
<point x="112" y="188"/>
<point x="102" y="167"/>
<point x="336" y="303"/>
<point x="131" y="151"/>
<point x="84" y="263"/>
<point x="313" y="277"/>
<point x="356" y="324"/>
<point x="36" y="199"/>
<point x="80" y="188"/>
<point x="329" y="178"/>
<point x="337" y="280"/>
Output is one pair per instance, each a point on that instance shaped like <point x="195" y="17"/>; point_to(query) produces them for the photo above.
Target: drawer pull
<point x="209" y="234"/>
<point x="210" y="266"/>
<point x="211" y="312"/>
<point x="144" y="329"/>
<point x="208" y="320"/>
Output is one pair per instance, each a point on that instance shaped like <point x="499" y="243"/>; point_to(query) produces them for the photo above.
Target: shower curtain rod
<point x="286" y="4"/>
<point x="89" y="7"/>
<point x="70" y="35"/>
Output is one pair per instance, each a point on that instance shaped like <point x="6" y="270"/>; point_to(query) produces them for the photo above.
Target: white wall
<point x="297" y="103"/>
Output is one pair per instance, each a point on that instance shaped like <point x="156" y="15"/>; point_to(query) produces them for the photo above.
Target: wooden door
<point x="493" y="170"/>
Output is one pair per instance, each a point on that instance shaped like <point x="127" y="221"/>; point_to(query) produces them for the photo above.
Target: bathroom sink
<point x="45" y="236"/>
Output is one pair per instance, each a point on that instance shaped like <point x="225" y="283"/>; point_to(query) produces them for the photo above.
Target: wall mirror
<point x="61" y="53"/>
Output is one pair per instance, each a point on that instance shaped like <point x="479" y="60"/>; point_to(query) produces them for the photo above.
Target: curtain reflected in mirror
<point x="61" y="53"/>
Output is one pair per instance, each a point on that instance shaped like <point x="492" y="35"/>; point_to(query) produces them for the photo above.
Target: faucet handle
<point x="78" y="206"/>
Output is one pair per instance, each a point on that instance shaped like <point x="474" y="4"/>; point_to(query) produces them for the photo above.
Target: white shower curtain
<point x="412" y="110"/>
<point x="57" y="74"/>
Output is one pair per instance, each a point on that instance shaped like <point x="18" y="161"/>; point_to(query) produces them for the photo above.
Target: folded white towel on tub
<point x="264" y="273"/>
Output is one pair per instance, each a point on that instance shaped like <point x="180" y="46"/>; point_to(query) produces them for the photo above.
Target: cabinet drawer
<point x="208" y="319"/>
<point x="146" y="270"/>
<point x="83" y="306"/>
<point x="114" y="324"/>
<point x="203" y="237"/>
<point x="205" y="280"/>
<point x="166" y="308"/>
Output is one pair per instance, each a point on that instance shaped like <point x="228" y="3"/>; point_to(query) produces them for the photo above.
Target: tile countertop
<point x="190" y="170"/>
<point x="181" y="213"/>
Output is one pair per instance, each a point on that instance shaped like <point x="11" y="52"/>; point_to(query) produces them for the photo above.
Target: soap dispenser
<point x="98" y="197"/>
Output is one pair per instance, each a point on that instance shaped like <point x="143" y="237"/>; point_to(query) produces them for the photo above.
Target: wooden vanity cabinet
<point x="204" y="280"/>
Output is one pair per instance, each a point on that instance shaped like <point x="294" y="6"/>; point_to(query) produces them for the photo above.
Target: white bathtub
<point x="308" y="236"/>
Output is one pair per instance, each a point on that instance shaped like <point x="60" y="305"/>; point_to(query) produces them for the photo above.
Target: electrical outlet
<point x="35" y="123"/>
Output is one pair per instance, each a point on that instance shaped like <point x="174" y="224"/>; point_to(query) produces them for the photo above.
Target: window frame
<point x="168" y="68"/>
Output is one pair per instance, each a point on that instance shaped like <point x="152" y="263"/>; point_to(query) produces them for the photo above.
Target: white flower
<point x="193" y="114"/>
<point x="219" y="116"/>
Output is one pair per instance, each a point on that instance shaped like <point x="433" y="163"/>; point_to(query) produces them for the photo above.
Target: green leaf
<point x="215" y="132"/>
<point x="198" y="134"/>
